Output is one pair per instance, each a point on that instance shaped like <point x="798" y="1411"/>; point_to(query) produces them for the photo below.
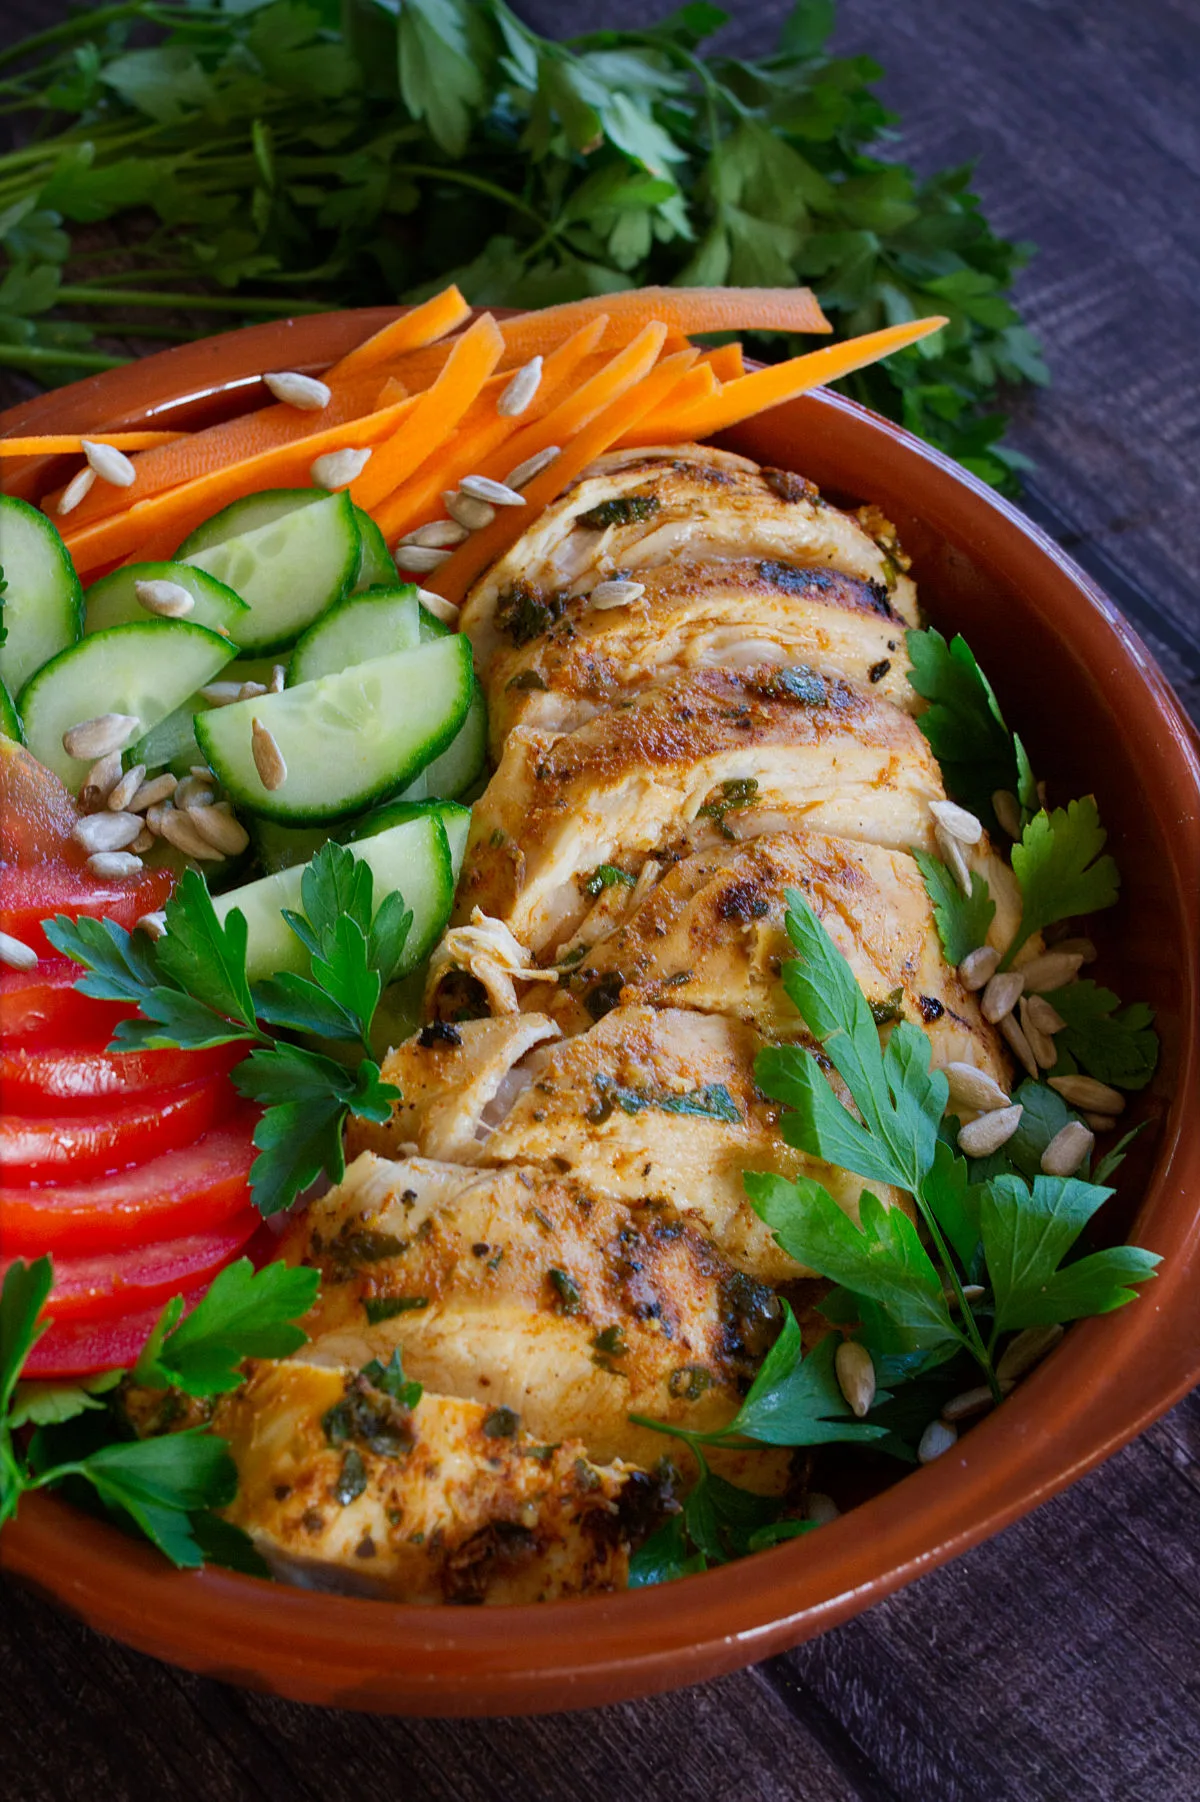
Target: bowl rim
<point x="1109" y="1380"/>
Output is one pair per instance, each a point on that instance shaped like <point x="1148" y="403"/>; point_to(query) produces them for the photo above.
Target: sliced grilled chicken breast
<point x="635" y="509"/>
<point x="732" y="615"/>
<point x="622" y="785"/>
<point x="342" y="1487"/>
<point x="527" y="1291"/>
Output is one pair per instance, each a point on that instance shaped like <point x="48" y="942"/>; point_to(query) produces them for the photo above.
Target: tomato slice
<point x="38" y="813"/>
<point x="43" y="1006"/>
<point x="29" y="896"/>
<point x="34" y="1150"/>
<point x="109" y="1284"/>
<point x="83" y="1348"/>
<point x="182" y="1192"/>
<point x="52" y="1082"/>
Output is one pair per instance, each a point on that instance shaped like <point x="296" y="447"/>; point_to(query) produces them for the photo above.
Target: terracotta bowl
<point x="1098" y="716"/>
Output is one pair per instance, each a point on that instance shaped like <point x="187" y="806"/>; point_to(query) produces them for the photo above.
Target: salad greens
<point x="291" y="155"/>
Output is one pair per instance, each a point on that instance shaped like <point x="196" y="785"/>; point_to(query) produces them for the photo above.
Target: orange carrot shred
<point x="419" y="326"/>
<point x="58" y="443"/>
<point x="686" y="310"/>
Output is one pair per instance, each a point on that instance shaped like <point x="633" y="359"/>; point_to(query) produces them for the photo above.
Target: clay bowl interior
<point x="1097" y="716"/>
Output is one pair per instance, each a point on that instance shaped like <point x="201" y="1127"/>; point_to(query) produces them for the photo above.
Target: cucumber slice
<point x="413" y="856"/>
<point x="376" y="567"/>
<point x="372" y="624"/>
<point x="145" y="669"/>
<point x="432" y="627"/>
<point x="288" y="571"/>
<point x="43" y="602"/>
<point x="456" y="821"/>
<point x="248" y="515"/>
<point x="112" y="602"/>
<point x="462" y="762"/>
<point x="283" y="847"/>
<point x="10" y="719"/>
<point x="346" y="739"/>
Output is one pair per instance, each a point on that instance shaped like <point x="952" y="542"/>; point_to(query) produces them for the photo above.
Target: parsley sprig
<point x="192" y="990"/>
<point x="165" y="1487"/>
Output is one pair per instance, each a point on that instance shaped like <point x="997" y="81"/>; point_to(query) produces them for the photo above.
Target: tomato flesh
<point x="50" y="1082"/>
<point x="43" y="1006"/>
<point x="188" y="1191"/>
<point x="74" y="1146"/>
<point x="38" y="812"/>
<point x="29" y="896"/>
<point x="82" y="1348"/>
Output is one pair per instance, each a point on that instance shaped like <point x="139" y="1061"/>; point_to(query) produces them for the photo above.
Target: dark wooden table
<point x="1061" y="1662"/>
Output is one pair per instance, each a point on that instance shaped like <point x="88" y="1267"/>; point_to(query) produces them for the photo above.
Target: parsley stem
<point x="30" y="356"/>
<point x="973" y="1338"/>
<point x="84" y="295"/>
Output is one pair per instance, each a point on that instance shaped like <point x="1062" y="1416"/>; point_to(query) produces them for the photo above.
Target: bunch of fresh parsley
<point x="165" y="1487"/>
<point x="192" y="991"/>
<point x="301" y="154"/>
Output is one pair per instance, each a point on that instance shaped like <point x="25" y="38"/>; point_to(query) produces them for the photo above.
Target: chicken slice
<point x="731" y="615"/>
<point x="342" y="1487"/>
<point x="710" y="935"/>
<point x="525" y="1290"/>
<point x="622" y="785"/>
<point x="635" y="509"/>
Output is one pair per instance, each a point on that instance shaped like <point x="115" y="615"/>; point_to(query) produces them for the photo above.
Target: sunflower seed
<point x="437" y="534"/>
<point x="988" y="1132"/>
<point x="1040" y="1043"/>
<point x="250" y="691"/>
<point x="155" y="816"/>
<point x="1026" y="1350"/>
<point x="159" y="788"/>
<point x="337" y="469"/>
<point x="468" y="512"/>
<point x="304" y="392"/>
<point x="122" y="792"/>
<point x="819" y="1508"/>
<point x="155" y="925"/>
<point x="856" y="1376"/>
<point x="1083" y="948"/>
<point x="524" y="473"/>
<point x="1053" y="970"/>
<point x="974" y="1088"/>
<point x="219" y="826"/>
<point x="615" y="594"/>
<point x="419" y="559"/>
<point x="520" y="391"/>
<point x="497" y="494"/>
<point x="967" y="1405"/>
<point x="97" y="737"/>
<point x="439" y="606"/>
<point x="1046" y="1018"/>
<point x="1019" y="1045"/>
<point x="143" y="842"/>
<point x="110" y="864"/>
<point x="109" y="464"/>
<point x="1085" y="1091"/>
<point x="1067" y="1149"/>
<point x="978" y="967"/>
<point x="278" y="678"/>
<point x="100" y="780"/>
<point x="16" y="954"/>
<point x="268" y="758"/>
<point x="221" y="694"/>
<point x="195" y="792"/>
<point x="957" y="821"/>
<point x="1001" y="995"/>
<point x="106" y="831"/>
<point x="180" y="830"/>
<point x="1007" y="810"/>
<point x="938" y="1437"/>
<point x="168" y="600"/>
<point x="1099" y="1123"/>
<point x="74" y="491"/>
<point x="952" y="854"/>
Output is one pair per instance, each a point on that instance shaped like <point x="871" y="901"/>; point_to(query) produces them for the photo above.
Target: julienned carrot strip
<point x="58" y="443"/>
<point x="686" y="310"/>
<point x="482" y="432"/>
<point x="181" y="509"/>
<point x="419" y="326"/>
<point x="770" y="387"/>
<point x="455" y="577"/>
<point x="657" y="427"/>
<point x="726" y="362"/>
<point x="434" y="414"/>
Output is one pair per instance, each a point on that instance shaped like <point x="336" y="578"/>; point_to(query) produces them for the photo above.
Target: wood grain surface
<point x="1061" y="1662"/>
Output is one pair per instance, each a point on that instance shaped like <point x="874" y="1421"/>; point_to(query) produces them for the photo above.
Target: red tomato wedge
<point x="43" y="1006"/>
<point x="53" y="1082"/>
<point x="77" y="1146"/>
<point x="180" y="1193"/>
<point x="82" y="1348"/>
<point x="38" y="813"/>
<point x="29" y="896"/>
<point x="108" y="1285"/>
